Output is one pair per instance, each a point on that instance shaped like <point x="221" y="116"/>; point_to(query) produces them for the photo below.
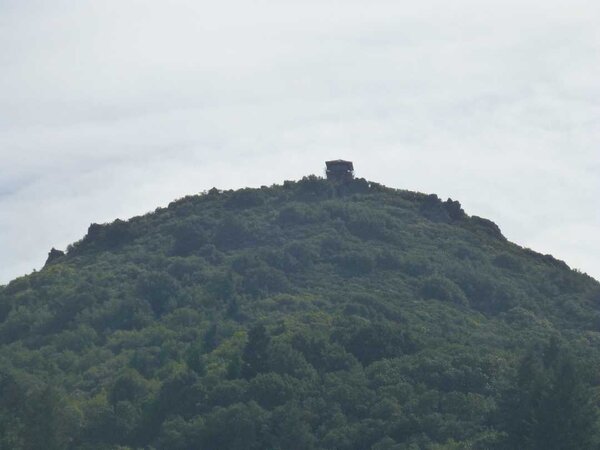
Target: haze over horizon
<point x="109" y="110"/>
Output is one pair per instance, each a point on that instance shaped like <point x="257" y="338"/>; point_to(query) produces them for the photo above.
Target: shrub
<point x="245" y="198"/>
<point x="297" y="214"/>
<point x="108" y="236"/>
<point x="441" y="288"/>
<point x="369" y="226"/>
<point x="377" y="341"/>
<point x="264" y="281"/>
<point x="159" y="289"/>
<point x="488" y="227"/>
<point x="355" y="264"/>
<point x="508" y="262"/>
<point x="314" y="188"/>
<point x="232" y="233"/>
<point x="189" y="237"/>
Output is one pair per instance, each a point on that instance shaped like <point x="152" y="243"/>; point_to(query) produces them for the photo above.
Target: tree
<point x="236" y="427"/>
<point x="159" y="289"/>
<point x="550" y="408"/>
<point x="255" y="355"/>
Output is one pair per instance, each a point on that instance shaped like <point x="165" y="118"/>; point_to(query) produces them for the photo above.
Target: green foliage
<point x="443" y="289"/>
<point x="189" y="238"/>
<point x="355" y="263"/>
<point x="550" y="406"/>
<point x="375" y="341"/>
<point x="311" y="316"/>
<point x="35" y="417"/>
<point x="159" y="289"/>
<point x="109" y="236"/>
<point x="245" y="198"/>
<point x="232" y="233"/>
<point x="255" y="355"/>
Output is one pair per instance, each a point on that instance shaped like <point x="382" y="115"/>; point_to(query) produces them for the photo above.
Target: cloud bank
<point x="110" y="109"/>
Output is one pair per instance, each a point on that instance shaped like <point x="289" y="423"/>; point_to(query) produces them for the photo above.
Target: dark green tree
<point x="255" y="355"/>
<point x="551" y="407"/>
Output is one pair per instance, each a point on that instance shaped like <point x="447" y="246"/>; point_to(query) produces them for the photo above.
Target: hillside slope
<point x="303" y="316"/>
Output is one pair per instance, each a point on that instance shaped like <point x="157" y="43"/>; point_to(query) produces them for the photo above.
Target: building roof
<point x="339" y="162"/>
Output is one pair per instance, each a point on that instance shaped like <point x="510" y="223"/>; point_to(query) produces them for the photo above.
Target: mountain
<point x="308" y="315"/>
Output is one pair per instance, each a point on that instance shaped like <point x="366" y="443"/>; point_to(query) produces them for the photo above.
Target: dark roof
<point x="339" y="162"/>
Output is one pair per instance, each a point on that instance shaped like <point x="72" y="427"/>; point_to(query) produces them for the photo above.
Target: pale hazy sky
<point x="111" y="108"/>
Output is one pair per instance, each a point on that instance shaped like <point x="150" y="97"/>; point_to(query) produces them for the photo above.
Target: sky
<point x="110" y="109"/>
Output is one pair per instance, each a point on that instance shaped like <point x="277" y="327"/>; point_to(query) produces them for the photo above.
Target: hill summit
<point x="308" y="315"/>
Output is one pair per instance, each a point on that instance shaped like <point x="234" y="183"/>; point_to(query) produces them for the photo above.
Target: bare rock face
<point x="53" y="255"/>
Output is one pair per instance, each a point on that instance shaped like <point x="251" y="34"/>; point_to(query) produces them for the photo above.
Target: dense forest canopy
<point x="308" y="315"/>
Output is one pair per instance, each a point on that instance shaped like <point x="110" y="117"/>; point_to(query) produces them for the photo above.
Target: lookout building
<point x="339" y="170"/>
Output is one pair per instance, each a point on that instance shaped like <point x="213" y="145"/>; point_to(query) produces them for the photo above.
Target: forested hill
<point x="310" y="315"/>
